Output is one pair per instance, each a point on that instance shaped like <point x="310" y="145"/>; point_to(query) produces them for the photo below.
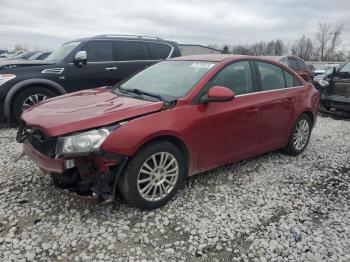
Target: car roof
<point x="210" y="57"/>
<point x="278" y="58"/>
<point x="222" y="57"/>
<point x="123" y="37"/>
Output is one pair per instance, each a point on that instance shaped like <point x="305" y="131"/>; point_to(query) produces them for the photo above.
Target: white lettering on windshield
<point x="202" y="65"/>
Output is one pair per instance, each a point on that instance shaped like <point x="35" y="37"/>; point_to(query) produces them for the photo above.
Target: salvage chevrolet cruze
<point x="140" y="139"/>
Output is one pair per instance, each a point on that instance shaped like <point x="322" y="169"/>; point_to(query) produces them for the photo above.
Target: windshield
<point x="60" y="53"/>
<point x="172" y="78"/>
<point x="345" y="68"/>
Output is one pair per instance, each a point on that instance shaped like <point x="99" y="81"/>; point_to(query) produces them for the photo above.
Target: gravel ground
<point x="269" y="208"/>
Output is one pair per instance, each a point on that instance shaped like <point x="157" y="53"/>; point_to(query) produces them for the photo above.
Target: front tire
<point x="300" y="136"/>
<point x="29" y="97"/>
<point x="153" y="175"/>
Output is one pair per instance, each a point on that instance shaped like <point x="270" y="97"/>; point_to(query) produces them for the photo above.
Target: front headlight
<point x="323" y="82"/>
<point x="6" y="77"/>
<point x="81" y="143"/>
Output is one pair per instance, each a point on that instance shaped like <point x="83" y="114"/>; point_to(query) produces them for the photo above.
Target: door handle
<point x="111" y="68"/>
<point x="253" y="110"/>
<point x="289" y="100"/>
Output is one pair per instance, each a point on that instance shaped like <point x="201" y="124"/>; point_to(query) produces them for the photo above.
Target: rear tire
<point x="153" y="176"/>
<point x="28" y="97"/>
<point x="300" y="136"/>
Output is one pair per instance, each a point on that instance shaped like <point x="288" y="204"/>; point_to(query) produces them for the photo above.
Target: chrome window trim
<point x="269" y="91"/>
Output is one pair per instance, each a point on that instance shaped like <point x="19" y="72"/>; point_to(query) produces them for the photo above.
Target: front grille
<point x="341" y="90"/>
<point x="42" y="143"/>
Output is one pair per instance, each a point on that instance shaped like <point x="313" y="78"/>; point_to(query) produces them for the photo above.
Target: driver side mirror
<point x="218" y="94"/>
<point x="80" y="58"/>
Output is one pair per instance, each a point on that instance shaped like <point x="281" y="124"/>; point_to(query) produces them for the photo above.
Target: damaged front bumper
<point x="335" y="102"/>
<point x="88" y="176"/>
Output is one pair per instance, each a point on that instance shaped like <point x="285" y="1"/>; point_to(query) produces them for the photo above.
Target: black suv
<point x="80" y="64"/>
<point x="335" y="89"/>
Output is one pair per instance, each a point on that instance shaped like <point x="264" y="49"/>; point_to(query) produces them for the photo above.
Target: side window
<point x="293" y="63"/>
<point x="271" y="76"/>
<point x="130" y="50"/>
<point x="159" y="50"/>
<point x="291" y="81"/>
<point x="284" y="61"/>
<point x="236" y="76"/>
<point x="301" y="65"/>
<point x="99" y="51"/>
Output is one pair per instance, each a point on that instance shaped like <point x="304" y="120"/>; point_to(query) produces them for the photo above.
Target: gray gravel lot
<point x="270" y="208"/>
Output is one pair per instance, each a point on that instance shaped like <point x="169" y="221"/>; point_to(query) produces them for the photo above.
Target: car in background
<point x="24" y="55"/>
<point x="335" y="88"/>
<point x="9" y="55"/>
<point x="311" y="69"/>
<point x="295" y="63"/>
<point x="176" y="118"/>
<point x="39" y="56"/>
<point x="3" y="53"/>
<point x="79" y="64"/>
<point x="325" y="68"/>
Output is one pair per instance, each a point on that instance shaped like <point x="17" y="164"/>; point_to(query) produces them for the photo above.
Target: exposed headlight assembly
<point x="323" y="83"/>
<point x="81" y="143"/>
<point x="6" y="77"/>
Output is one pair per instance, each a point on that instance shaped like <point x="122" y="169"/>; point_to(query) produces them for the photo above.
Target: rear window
<point x="159" y="50"/>
<point x="291" y="81"/>
<point x="130" y="50"/>
<point x="293" y="63"/>
<point x="301" y="65"/>
<point x="271" y="76"/>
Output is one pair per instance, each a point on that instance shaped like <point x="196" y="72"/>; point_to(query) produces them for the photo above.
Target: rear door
<point x="277" y="104"/>
<point x="132" y="56"/>
<point x="100" y="69"/>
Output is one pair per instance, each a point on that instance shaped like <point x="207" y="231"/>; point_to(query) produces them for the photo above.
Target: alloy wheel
<point x="301" y="134"/>
<point x="32" y="100"/>
<point x="158" y="176"/>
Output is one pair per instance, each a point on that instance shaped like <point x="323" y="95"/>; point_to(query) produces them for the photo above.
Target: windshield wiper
<point x="140" y="92"/>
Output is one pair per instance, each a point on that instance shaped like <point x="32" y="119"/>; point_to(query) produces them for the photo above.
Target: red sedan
<point x="143" y="137"/>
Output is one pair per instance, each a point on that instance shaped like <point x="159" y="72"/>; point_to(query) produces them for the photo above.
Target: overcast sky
<point x="46" y="24"/>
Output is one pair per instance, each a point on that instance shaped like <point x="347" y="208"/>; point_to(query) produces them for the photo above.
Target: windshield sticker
<point x="202" y="65"/>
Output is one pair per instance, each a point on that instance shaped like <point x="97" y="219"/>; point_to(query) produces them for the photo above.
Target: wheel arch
<point x="310" y="115"/>
<point x="178" y="142"/>
<point x="25" y="84"/>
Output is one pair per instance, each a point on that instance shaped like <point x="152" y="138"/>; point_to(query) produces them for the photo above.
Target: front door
<point x="228" y="131"/>
<point x="100" y="70"/>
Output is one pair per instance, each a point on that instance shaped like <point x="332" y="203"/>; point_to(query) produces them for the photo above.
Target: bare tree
<point x="241" y="50"/>
<point x="274" y="47"/>
<point x="303" y="48"/>
<point x="279" y="47"/>
<point x="225" y="50"/>
<point x="327" y="40"/>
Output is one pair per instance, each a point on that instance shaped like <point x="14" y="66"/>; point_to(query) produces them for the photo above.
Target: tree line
<point x="324" y="46"/>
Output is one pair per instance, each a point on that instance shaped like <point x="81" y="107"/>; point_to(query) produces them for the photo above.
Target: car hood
<point x="84" y="110"/>
<point x="20" y="63"/>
